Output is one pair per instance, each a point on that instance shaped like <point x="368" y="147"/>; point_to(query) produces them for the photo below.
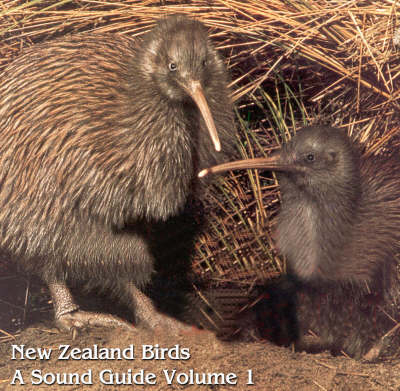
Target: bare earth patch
<point x="272" y="367"/>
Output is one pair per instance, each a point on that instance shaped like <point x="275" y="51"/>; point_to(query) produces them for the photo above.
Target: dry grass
<point x="341" y="52"/>
<point x="292" y="63"/>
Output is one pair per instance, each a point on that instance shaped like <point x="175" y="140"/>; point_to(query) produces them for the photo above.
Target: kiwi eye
<point x="310" y="157"/>
<point x="172" y="66"/>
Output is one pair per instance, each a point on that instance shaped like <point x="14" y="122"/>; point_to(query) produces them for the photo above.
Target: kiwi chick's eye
<point x="310" y="157"/>
<point x="172" y="66"/>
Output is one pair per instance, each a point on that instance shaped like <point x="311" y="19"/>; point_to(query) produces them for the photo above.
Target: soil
<point x="272" y="367"/>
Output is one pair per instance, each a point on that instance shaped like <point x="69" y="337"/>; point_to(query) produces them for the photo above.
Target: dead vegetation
<point x="292" y="63"/>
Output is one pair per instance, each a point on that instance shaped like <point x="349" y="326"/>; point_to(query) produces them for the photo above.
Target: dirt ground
<point x="272" y="367"/>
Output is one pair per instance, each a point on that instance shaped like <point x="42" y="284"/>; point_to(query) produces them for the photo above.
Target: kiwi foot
<point x="70" y="318"/>
<point x="161" y="323"/>
<point x="150" y="317"/>
<point x="76" y="320"/>
<point x="379" y="347"/>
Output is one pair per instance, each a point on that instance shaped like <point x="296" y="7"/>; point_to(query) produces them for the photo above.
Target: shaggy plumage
<point x="338" y="229"/>
<point x="101" y="132"/>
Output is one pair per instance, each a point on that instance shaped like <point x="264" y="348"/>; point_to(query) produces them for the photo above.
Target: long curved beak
<point x="273" y="163"/>
<point x="195" y="90"/>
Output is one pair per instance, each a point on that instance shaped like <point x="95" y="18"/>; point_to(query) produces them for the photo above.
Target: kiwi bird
<point x="102" y="136"/>
<point x="338" y="229"/>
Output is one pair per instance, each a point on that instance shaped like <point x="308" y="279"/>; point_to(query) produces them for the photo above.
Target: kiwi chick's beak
<point x="273" y="163"/>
